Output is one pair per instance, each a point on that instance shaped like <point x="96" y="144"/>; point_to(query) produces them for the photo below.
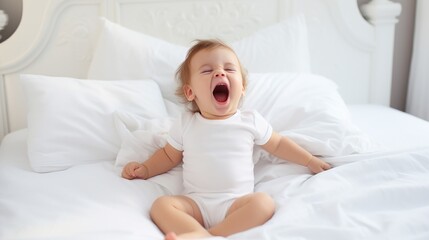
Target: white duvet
<point x="383" y="195"/>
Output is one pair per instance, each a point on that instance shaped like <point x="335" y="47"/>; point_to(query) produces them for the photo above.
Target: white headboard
<point x="56" y="37"/>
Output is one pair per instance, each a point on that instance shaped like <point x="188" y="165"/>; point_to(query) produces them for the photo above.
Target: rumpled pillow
<point x="141" y="137"/>
<point x="122" y="53"/>
<point x="70" y="121"/>
<point x="308" y="109"/>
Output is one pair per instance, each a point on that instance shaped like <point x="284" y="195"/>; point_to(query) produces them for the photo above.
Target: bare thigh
<point x="246" y="212"/>
<point x="263" y="200"/>
<point x="179" y="202"/>
<point x="192" y="208"/>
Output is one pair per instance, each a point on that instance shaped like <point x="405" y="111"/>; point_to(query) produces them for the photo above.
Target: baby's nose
<point x="219" y="74"/>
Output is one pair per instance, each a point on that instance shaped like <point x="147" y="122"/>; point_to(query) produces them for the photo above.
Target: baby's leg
<point x="179" y="215"/>
<point x="246" y="212"/>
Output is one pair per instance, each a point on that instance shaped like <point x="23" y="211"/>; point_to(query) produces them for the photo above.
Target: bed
<point x="88" y="85"/>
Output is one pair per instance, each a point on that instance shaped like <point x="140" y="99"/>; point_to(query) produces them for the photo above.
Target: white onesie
<point x="217" y="158"/>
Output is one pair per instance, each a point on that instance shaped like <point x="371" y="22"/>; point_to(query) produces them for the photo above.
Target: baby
<point x="215" y="143"/>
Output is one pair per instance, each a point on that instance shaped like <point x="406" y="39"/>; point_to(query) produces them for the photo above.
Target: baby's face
<point x="216" y="83"/>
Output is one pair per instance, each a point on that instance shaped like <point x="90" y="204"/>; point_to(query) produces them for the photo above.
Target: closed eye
<point x="230" y="69"/>
<point x="206" y="71"/>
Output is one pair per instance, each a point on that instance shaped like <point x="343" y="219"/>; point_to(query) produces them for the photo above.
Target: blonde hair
<point x="183" y="73"/>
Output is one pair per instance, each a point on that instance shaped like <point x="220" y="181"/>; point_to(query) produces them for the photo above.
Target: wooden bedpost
<point x="382" y="15"/>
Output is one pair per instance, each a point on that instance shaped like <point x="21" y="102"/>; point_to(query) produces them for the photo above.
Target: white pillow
<point x="141" y="137"/>
<point x="125" y="54"/>
<point x="308" y="109"/>
<point x="70" y="121"/>
<point x="282" y="47"/>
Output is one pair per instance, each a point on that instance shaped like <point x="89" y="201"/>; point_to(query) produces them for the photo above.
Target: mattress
<point x="389" y="127"/>
<point x="382" y="194"/>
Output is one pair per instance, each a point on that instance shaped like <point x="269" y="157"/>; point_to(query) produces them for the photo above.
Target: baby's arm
<point x="284" y="148"/>
<point x="160" y="162"/>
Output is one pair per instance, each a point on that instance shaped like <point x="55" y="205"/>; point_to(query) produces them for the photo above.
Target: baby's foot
<point x="171" y="236"/>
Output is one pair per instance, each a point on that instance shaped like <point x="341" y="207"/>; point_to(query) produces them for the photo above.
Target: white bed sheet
<point x="84" y="202"/>
<point x="380" y="195"/>
<point x="389" y="127"/>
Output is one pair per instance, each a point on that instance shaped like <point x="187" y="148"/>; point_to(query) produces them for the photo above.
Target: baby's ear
<point x="189" y="94"/>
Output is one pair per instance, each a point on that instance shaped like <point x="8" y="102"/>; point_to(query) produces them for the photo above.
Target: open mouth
<point x="221" y="93"/>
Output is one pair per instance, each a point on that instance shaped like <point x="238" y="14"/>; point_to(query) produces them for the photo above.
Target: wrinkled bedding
<point x="380" y="195"/>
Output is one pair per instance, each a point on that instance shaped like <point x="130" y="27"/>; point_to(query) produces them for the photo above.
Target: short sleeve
<point x="175" y="136"/>
<point x="263" y="129"/>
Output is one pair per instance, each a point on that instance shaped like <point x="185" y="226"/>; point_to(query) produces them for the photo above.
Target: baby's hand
<point x="317" y="165"/>
<point x="133" y="170"/>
